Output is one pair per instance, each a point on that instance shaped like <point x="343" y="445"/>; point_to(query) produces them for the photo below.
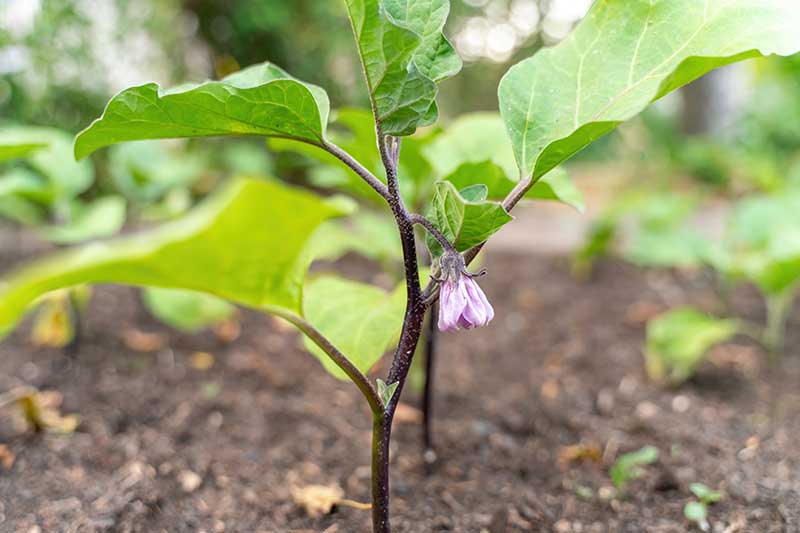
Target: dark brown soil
<point x="560" y="366"/>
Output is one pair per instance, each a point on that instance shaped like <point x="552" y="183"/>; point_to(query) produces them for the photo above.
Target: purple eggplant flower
<point x="462" y="303"/>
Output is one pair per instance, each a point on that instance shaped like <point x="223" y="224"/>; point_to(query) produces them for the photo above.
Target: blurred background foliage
<point x="732" y="137"/>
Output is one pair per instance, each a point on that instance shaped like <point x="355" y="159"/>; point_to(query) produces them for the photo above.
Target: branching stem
<point x="433" y="230"/>
<point x="358" y="168"/>
<point x="358" y="377"/>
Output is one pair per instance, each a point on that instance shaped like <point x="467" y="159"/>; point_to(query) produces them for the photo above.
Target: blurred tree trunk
<point x="712" y="103"/>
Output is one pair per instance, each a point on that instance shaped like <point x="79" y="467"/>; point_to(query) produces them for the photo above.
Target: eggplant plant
<point x="251" y="242"/>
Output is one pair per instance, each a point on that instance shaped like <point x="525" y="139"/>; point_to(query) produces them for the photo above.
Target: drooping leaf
<point x="261" y="100"/>
<point x="624" y="55"/>
<point x="404" y="55"/>
<point x="465" y="218"/>
<point x="103" y="217"/>
<point x="360" y="320"/>
<point x="187" y="310"/>
<point x="477" y="143"/>
<point x="245" y="244"/>
<point x="677" y="342"/>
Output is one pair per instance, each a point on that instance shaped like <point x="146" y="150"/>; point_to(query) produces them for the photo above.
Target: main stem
<point x="409" y="338"/>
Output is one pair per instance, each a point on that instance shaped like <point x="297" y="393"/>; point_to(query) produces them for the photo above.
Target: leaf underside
<point x="624" y="55"/>
<point x="212" y="250"/>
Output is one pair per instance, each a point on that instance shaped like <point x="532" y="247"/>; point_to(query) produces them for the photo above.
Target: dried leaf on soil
<point x="319" y="500"/>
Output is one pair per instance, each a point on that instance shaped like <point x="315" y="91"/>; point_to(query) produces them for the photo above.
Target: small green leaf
<point x="674" y="247"/>
<point x="61" y="176"/>
<point x="763" y="245"/>
<point x="15" y="146"/>
<point x="705" y="494"/>
<point x="404" y="55"/>
<point x="677" y="342"/>
<point x="475" y="149"/>
<point x="386" y="392"/>
<point x="261" y="100"/>
<point x="465" y="223"/>
<point x="213" y="250"/>
<point x="146" y="171"/>
<point x="103" y="217"/>
<point x="627" y="467"/>
<point x="697" y="512"/>
<point x="360" y="320"/>
<point x="366" y="233"/>
<point x="623" y="55"/>
<point x="186" y="310"/>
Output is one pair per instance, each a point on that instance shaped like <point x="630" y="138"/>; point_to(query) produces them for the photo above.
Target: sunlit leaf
<point x="624" y="55"/>
<point x="245" y="244"/>
<point x="261" y="100"/>
<point x="361" y="320"/>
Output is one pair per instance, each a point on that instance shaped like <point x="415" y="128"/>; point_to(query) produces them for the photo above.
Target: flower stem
<point x="433" y="230"/>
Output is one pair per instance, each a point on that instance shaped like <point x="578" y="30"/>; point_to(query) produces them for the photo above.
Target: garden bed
<point x="166" y="444"/>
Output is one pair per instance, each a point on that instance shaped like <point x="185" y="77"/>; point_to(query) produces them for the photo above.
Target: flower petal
<point x="449" y="306"/>
<point x="484" y="312"/>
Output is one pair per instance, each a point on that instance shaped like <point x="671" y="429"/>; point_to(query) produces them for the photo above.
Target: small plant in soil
<point x="253" y="241"/>
<point x="696" y="511"/>
<point x="629" y="466"/>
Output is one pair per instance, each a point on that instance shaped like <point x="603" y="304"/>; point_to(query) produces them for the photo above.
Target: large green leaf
<point x="261" y="100"/>
<point x="103" y="217"/>
<point x="624" y="55"/>
<point x="404" y="55"/>
<point x="480" y="138"/>
<point x="64" y="178"/>
<point x="359" y="319"/>
<point x="678" y="340"/>
<point x="465" y="218"/>
<point x="245" y="244"/>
